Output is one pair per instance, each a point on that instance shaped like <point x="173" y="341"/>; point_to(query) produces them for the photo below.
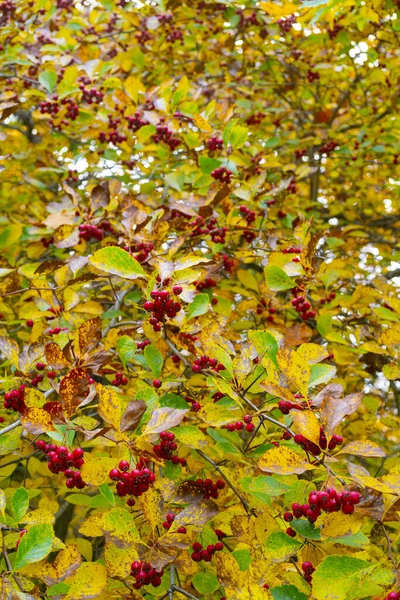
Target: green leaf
<point x="174" y="401"/>
<point x="10" y="235"/>
<point x="176" y="180"/>
<point x="279" y="546"/>
<point x="205" y="583"/>
<point x="107" y="494"/>
<point x="321" y="374"/>
<point x="19" y="503"/>
<point x="34" y="545"/>
<point x="79" y="499"/>
<point x="356" y="540"/>
<point x="238" y="136"/>
<point x="116" y="261"/>
<point x="243" y="558"/>
<point x="207" y="165"/>
<point x="264" y="487"/>
<point x="145" y="133"/>
<point x="324" y="324"/>
<point x="277" y="280"/>
<point x="333" y="577"/>
<point x="199" y="306"/>
<point x="126" y="349"/>
<point x="190" y="436"/>
<point x="264" y="343"/>
<point x="154" y="360"/>
<point x="48" y="79"/>
<point x="306" y="529"/>
<point x="287" y="592"/>
<point x="386" y="314"/>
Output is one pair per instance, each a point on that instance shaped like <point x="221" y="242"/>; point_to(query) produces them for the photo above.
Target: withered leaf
<point x="54" y="356"/>
<point x="132" y="415"/>
<point x="74" y="387"/>
<point x="89" y="334"/>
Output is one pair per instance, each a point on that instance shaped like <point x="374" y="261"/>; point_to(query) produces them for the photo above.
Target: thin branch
<point x="176" y="351"/>
<point x="181" y="591"/>
<point x="225" y="478"/>
<point x="9" y="567"/>
<point x="10" y="427"/>
<point x="389" y="545"/>
<point x="171" y="583"/>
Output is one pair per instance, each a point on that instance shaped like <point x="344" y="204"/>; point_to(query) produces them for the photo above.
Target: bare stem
<point x="389" y="546"/>
<point x="10" y="427"/>
<point x="181" y="591"/>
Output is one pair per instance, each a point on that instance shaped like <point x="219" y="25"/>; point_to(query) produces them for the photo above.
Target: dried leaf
<point x="132" y="415"/>
<point x="333" y="411"/>
<point x="74" y="388"/>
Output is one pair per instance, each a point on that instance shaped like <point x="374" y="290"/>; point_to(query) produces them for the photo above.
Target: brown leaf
<point x="54" y="356"/>
<point x="49" y="266"/>
<point x="89" y="334"/>
<point x="164" y="418"/>
<point x="334" y="390"/>
<point x="73" y="389"/>
<point x="100" y="196"/>
<point x="197" y="514"/>
<point x="132" y="415"/>
<point x="297" y="334"/>
<point x="334" y="410"/>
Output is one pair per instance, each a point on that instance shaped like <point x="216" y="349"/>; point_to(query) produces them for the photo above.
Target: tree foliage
<point x="200" y="322"/>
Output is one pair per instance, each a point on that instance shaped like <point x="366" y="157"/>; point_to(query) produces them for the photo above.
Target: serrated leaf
<point x="19" y="503"/>
<point x="48" y="79"/>
<point x="164" y="418"/>
<point x="116" y="261"/>
<point x="283" y="461"/>
<point x="154" y="359"/>
<point x="277" y="280"/>
<point x="199" y="306"/>
<point x="279" y="546"/>
<point x="34" y="545"/>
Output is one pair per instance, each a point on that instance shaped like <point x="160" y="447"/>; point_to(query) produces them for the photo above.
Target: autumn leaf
<point x="283" y="461"/>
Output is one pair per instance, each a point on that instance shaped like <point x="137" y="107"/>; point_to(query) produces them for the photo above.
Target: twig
<point x="224" y="477"/>
<point x="389" y="546"/>
<point x="171" y="583"/>
<point x="176" y="351"/>
<point x="296" y="565"/>
<point x="181" y="591"/>
<point x="10" y="427"/>
<point x="117" y="306"/>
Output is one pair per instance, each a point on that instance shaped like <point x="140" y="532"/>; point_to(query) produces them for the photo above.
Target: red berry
<point x="177" y="289"/>
<point x="123" y="465"/>
<point x="40" y="366"/>
<point x="288" y="516"/>
<point x="157" y="383"/>
<point x="29" y="323"/>
<point x="347" y="509"/>
<point x="290" y="532"/>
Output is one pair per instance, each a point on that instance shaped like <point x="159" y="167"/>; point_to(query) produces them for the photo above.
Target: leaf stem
<point x="10" y="427"/>
<point x="181" y="591"/>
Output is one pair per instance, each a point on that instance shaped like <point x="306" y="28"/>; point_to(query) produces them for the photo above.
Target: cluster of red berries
<point x="71" y="111"/>
<point x="188" y="336"/>
<point x="248" y="214"/>
<point x="239" y="425"/>
<point x="164" y="134"/>
<point x="328" y="147"/>
<point x="300" y="153"/>
<point x="65" y="4"/>
<point x="312" y="76"/>
<point x="56" y="311"/>
<point x="285" y="24"/>
<point x="166" y="447"/>
<point x="285" y="405"/>
<point x="202" y="228"/>
<point x="308" y="569"/>
<point x="303" y="307"/>
<point x="392" y="596"/>
<point x="246" y="21"/>
<point x="142" y="249"/>
<point x="51" y="108"/>
<point x="60" y="460"/>
<point x="255" y="119"/>
<point x="210" y="489"/>
<point x="15" y="399"/>
<point x="214" y="143"/>
<point x="56" y="330"/>
<point x="142" y="345"/>
<point x="174" y="35"/>
<point x="206" y="362"/>
<point x="334" y="31"/>
<point x="135" y="122"/>
<point x="222" y="174"/>
<point x="162" y="306"/>
<point x="114" y="136"/>
<point x="199" y="553"/>
<point x="132" y="483"/>
<point x="228" y="263"/>
<point x="336" y="440"/>
<point x="91" y="96"/>
<point x="119" y="379"/>
<point x="97" y="232"/>
<point x="168" y="522"/>
<point x="291" y="250"/>
<point x="205" y="284"/>
<point x="329" y="500"/>
<point x="328" y="298"/>
<point x="195" y="406"/>
<point x="145" y="574"/>
<point x="262" y="306"/>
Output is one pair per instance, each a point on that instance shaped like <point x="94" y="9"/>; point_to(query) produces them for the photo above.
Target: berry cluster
<point x="132" y="483"/>
<point x="214" y="143"/>
<point x="228" y="263"/>
<point x="15" y="399"/>
<point x="199" y="553"/>
<point x="168" y="522"/>
<point x="329" y="500"/>
<point x="336" y="440"/>
<point x="210" y="489"/>
<point x="196" y="406"/>
<point x="97" y="232"/>
<point x="135" y="122"/>
<point x="255" y="119"/>
<point x="114" y="136"/>
<point x="246" y="21"/>
<point x="291" y="250"/>
<point x="239" y="425"/>
<point x="222" y="174"/>
<point x="119" y="379"/>
<point x="205" y="284"/>
<point x="91" y="96"/>
<point x="166" y="447"/>
<point x="328" y="147"/>
<point x="308" y="569"/>
<point x="206" y="362"/>
<point x="335" y="30"/>
<point x="312" y="76"/>
<point x="392" y="596"/>
<point x="60" y="460"/>
<point x="71" y="111"/>
<point x="285" y="24"/>
<point x="56" y="311"/>
<point x="328" y="298"/>
<point x="285" y="405"/>
<point x="142" y="345"/>
<point x="145" y="574"/>
<point x="300" y="153"/>
<point x="248" y="214"/>
<point x="202" y="228"/>
<point x="164" y="134"/>
<point x="161" y="307"/>
<point x="174" y="35"/>
<point x="303" y="307"/>
<point x="56" y="330"/>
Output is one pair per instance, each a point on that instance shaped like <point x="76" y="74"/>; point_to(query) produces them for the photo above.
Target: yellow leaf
<point x="283" y="461"/>
<point x="90" y="307"/>
<point x="247" y="279"/>
<point x="133" y="86"/>
<point x="202" y="124"/>
<point x="88" y="582"/>
<point x="39" y="516"/>
<point x="338" y="525"/>
<point x="295" y="368"/>
<point x="109" y="407"/>
<point x="39" y="418"/>
<point x="312" y="353"/>
<point x="216" y="415"/>
<point x="363" y="448"/>
<point x="306" y="423"/>
<point x="10" y="349"/>
<point x="34" y="398"/>
<point x="96" y="468"/>
<point x="151" y="505"/>
<point x="118" y="560"/>
<point x="277" y="10"/>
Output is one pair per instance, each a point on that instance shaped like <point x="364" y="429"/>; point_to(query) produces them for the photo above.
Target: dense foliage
<point x="200" y="322"/>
